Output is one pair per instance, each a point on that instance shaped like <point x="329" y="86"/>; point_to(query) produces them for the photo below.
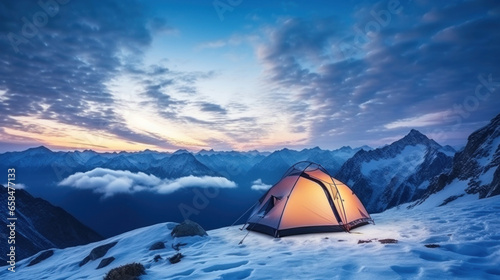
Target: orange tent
<point x="307" y="200"/>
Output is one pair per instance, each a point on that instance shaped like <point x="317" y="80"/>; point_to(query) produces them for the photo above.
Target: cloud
<point x="319" y="79"/>
<point x="70" y="58"/>
<point x="110" y="182"/>
<point x="62" y="71"/>
<point x="18" y="186"/>
<point x="171" y="186"/>
<point x="420" y="121"/>
<point x="410" y="69"/>
<point x="211" y="107"/>
<point x="257" y="185"/>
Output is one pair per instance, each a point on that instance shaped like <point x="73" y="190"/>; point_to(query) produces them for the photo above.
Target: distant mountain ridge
<point x="272" y="167"/>
<point x="41" y="225"/>
<point x="229" y="164"/>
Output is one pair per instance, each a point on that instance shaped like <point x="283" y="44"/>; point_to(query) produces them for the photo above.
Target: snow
<point x="392" y="171"/>
<point x="468" y="233"/>
<point x="424" y="185"/>
<point x="447" y="150"/>
<point x="487" y="177"/>
<point x="491" y="147"/>
<point x="455" y="189"/>
<point x="409" y="158"/>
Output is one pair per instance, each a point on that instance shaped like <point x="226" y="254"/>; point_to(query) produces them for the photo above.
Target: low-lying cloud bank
<point x="110" y="182"/>
<point x="17" y="186"/>
<point x="258" y="185"/>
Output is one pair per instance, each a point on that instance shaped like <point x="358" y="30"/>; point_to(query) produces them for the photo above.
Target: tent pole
<point x="241" y="242"/>
<point x="242" y="216"/>
<point x="248" y="230"/>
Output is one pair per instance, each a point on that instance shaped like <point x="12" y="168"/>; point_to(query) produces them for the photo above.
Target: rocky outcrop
<point x="476" y="165"/>
<point x="188" y="228"/>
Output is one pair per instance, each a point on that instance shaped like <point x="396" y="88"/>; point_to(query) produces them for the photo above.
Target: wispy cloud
<point x="258" y="185"/>
<point x="429" y="119"/>
<point x="110" y="182"/>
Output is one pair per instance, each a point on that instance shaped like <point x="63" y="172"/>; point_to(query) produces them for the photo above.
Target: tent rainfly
<point x="307" y="200"/>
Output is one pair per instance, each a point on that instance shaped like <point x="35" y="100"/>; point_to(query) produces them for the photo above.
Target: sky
<point x="241" y="75"/>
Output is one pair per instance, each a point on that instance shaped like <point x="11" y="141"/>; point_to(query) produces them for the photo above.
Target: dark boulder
<point x="157" y="246"/>
<point x="188" y="228"/>
<point x="43" y="256"/>
<point x="175" y="258"/>
<point x="98" y="252"/>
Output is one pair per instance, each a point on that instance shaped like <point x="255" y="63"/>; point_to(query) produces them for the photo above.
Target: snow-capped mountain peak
<point x="394" y="174"/>
<point x="415" y="137"/>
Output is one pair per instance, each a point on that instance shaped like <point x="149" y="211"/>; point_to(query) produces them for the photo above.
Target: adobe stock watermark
<point x="223" y="6"/>
<point x="470" y="104"/>
<point x="371" y="28"/>
<point x="201" y="200"/>
<point x="31" y="26"/>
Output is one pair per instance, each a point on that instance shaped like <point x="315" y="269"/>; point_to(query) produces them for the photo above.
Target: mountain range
<point x="232" y="165"/>
<point x="409" y="170"/>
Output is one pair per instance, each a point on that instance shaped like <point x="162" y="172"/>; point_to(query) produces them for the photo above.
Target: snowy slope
<point x="467" y="232"/>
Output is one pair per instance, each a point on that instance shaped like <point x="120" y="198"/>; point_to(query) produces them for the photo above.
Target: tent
<point x="307" y="200"/>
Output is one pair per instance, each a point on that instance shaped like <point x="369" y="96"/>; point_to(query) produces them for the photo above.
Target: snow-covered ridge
<point x="464" y="238"/>
<point x="475" y="167"/>
<point x="397" y="173"/>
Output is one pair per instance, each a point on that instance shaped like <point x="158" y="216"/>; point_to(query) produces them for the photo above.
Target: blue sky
<point x="240" y="74"/>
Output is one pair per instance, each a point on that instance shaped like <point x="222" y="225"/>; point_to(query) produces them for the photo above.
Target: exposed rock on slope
<point x="476" y="165"/>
